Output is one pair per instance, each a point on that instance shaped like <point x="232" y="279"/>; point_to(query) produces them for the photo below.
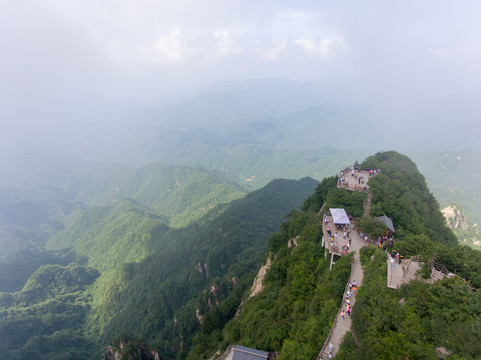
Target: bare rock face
<point x="467" y="232"/>
<point x="199" y="317"/>
<point x="130" y="349"/>
<point x="258" y="286"/>
<point x="455" y="217"/>
<point x="442" y="352"/>
<point x="293" y="242"/>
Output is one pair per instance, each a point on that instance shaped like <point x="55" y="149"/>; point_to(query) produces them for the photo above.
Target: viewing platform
<point x="341" y="326"/>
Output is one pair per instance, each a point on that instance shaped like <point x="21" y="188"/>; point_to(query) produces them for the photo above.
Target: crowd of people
<point x="395" y="258"/>
<point x="346" y="312"/>
<point x="357" y="176"/>
<point x="346" y="240"/>
<point x="332" y="237"/>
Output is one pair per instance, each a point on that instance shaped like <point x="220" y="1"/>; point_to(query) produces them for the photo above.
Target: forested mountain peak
<point x="146" y="278"/>
<point x="186" y="290"/>
<point x="293" y="313"/>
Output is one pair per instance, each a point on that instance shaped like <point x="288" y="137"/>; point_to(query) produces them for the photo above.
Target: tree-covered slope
<point x="190" y="261"/>
<point x="31" y="217"/>
<point x="28" y="218"/>
<point x="418" y="321"/>
<point x="153" y="279"/>
<point x="294" y="312"/>
<point x="400" y="192"/>
<point x="180" y="193"/>
<point x="47" y="315"/>
<point x="180" y="288"/>
<point x="108" y="237"/>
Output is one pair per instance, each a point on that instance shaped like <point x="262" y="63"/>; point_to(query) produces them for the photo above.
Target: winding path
<point x="340" y="326"/>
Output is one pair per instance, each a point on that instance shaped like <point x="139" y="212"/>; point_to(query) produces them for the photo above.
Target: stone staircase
<point x="367" y="204"/>
<point x="410" y="272"/>
<point x="439" y="272"/>
<point x="339" y="328"/>
<point x="409" y="275"/>
<point x="436" y="274"/>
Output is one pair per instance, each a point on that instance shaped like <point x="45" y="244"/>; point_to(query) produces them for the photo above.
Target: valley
<point x="168" y="253"/>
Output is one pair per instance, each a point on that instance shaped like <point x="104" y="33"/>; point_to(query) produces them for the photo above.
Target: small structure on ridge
<point x="339" y="216"/>
<point x="388" y="223"/>
<point x="239" y="352"/>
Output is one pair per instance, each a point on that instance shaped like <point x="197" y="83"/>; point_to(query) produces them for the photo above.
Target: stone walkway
<point x="394" y="276"/>
<point x="353" y="184"/>
<point x="340" y="326"/>
<point x="402" y="273"/>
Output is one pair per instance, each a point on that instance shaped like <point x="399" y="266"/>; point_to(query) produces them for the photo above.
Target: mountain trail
<point x="341" y="326"/>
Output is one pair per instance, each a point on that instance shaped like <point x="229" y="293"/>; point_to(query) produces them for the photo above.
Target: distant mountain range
<point x="155" y="224"/>
<point x="256" y="131"/>
<point x="128" y="269"/>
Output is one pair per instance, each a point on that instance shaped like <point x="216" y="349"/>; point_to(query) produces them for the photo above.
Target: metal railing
<point x="225" y="353"/>
<point x="319" y="357"/>
<point x="327" y="242"/>
<point x="445" y="272"/>
<point x="389" y="271"/>
<point x="414" y="258"/>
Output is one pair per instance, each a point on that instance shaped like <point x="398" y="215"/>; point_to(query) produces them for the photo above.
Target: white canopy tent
<point x="339" y="217"/>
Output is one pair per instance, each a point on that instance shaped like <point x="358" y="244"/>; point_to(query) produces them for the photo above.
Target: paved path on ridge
<point x="340" y="327"/>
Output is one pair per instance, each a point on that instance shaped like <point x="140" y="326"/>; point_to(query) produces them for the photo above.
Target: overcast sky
<point x="58" y="55"/>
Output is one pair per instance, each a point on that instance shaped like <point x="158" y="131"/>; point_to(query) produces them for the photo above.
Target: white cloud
<point x="322" y="48"/>
<point x="273" y="52"/>
<point x="177" y="46"/>
<point x="225" y="43"/>
<point x="181" y="45"/>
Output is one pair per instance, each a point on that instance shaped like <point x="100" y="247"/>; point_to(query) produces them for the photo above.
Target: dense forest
<point x="164" y="258"/>
<point x="132" y="273"/>
<point x="294" y="312"/>
<point x="418" y="321"/>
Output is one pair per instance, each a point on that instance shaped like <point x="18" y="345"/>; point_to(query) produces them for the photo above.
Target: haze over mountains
<point x="255" y="131"/>
<point x="149" y="152"/>
<point x="150" y="224"/>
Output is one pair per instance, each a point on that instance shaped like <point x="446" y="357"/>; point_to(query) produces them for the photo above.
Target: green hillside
<point x="417" y="321"/>
<point x="181" y="194"/>
<point x="109" y="237"/>
<point x="47" y="315"/>
<point x="28" y="218"/>
<point x="294" y="312"/>
<point x="151" y="278"/>
<point x="31" y="217"/>
<point x="258" y="160"/>
<point x="192" y="260"/>
<point x="401" y="193"/>
<point x="454" y="176"/>
<point x="179" y="288"/>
